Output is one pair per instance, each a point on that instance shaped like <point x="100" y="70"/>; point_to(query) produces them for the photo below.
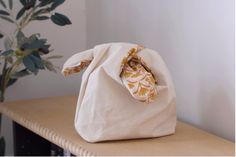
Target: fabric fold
<point x="126" y="92"/>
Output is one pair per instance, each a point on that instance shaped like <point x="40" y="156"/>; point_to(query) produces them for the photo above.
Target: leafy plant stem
<point x="26" y="20"/>
<point x="7" y="76"/>
<point x="3" y="81"/>
<point x="12" y="70"/>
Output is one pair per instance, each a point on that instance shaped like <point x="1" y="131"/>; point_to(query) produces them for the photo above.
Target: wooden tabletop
<point x="52" y="118"/>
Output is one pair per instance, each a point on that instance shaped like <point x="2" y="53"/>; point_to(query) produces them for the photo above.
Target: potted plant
<point x="26" y="55"/>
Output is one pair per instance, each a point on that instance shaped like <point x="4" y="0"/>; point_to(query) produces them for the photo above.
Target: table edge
<point x="46" y="133"/>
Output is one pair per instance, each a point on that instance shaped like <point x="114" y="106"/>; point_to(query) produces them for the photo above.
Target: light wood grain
<point x="52" y="118"/>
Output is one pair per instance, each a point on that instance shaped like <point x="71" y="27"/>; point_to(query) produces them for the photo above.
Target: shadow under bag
<point x="126" y="93"/>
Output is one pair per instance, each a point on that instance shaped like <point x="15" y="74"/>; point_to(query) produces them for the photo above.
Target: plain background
<point x="194" y="37"/>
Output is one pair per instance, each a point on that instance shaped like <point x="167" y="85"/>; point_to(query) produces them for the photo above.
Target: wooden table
<point x="52" y="118"/>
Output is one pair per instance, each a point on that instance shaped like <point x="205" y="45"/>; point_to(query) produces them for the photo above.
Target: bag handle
<point x="77" y="62"/>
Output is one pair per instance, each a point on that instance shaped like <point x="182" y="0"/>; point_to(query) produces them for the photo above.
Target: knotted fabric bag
<point x="126" y="93"/>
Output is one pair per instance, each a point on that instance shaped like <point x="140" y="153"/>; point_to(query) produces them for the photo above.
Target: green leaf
<point x="3" y="3"/>
<point x="23" y="2"/>
<point x="40" y="18"/>
<point x="33" y="2"/>
<point x="2" y="146"/>
<point x="20" y="13"/>
<point x="21" y="73"/>
<point x="56" y="3"/>
<point x="28" y="4"/>
<point x="33" y="37"/>
<point x="29" y="64"/>
<point x="7" y="43"/>
<point x="21" y="39"/>
<point x="57" y="20"/>
<point x="37" y="61"/>
<point x="60" y="19"/>
<point x="36" y="44"/>
<point x="7" y="52"/>
<point x="49" y="66"/>
<point x="36" y="53"/>
<point x="20" y="34"/>
<point x="33" y="62"/>
<point x="45" y="2"/>
<point x="44" y="50"/>
<point x="7" y="19"/>
<point x="2" y="12"/>
<point x="64" y="18"/>
<point x="10" y="2"/>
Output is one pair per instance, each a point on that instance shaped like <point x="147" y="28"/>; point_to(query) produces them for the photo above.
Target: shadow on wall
<point x="215" y="120"/>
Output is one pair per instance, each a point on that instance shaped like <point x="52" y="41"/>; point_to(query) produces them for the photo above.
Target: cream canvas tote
<point x="126" y="93"/>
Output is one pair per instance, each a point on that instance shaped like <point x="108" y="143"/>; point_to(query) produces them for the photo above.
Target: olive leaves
<point x="40" y="11"/>
<point x="25" y="55"/>
<point x="29" y="53"/>
<point x="35" y="10"/>
<point x="4" y="14"/>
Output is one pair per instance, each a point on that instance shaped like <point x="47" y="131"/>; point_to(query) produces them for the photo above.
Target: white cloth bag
<point x="106" y="110"/>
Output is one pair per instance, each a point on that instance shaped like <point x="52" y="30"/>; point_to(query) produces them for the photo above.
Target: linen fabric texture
<point x="108" y="108"/>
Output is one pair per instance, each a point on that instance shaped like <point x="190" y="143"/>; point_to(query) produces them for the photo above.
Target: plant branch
<point x="26" y="20"/>
<point x="12" y="70"/>
<point x="3" y="87"/>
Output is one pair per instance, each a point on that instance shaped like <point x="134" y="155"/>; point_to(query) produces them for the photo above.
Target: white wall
<point x="195" y="38"/>
<point x="65" y="41"/>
